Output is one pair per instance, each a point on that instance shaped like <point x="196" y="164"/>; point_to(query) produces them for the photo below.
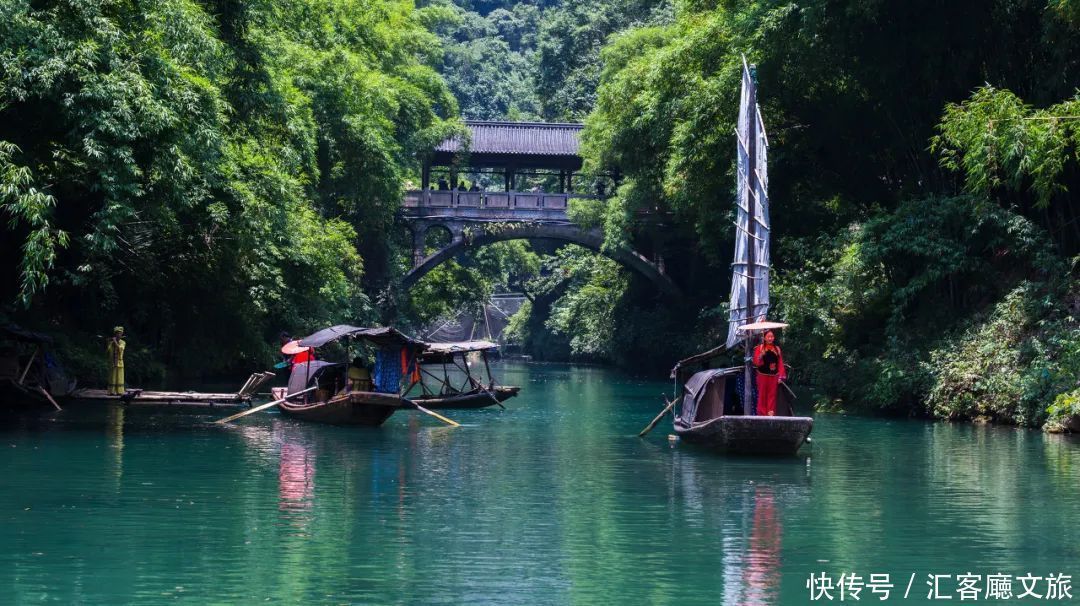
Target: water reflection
<point x="1062" y="453"/>
<point x="114" y="432"/>
<point x="553" y="501"/>
<point x="296" y="478"/>
<point x="762" y="573"/>
<point x="748" y="501"/>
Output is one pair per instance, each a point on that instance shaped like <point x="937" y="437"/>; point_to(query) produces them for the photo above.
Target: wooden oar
<point x="650" y="426"/>
<point x="490" y="395"/>
<point x="264" y="406"/>
<point x="49" y="397"/>
<point x="791" y="404"/>
<point x="438" y="416"/>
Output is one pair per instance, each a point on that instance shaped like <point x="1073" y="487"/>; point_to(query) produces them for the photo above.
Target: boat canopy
<point x="305" y="374"/>
<point x="701" y="387"/>
<point x="15" y="333"/>
<point x="436" y="352"/>
<point x="380" y="335"/>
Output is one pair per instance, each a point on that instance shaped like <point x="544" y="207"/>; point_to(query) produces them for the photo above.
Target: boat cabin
<point x="30" y="374"/>
<point x="451" y="376"/>
<point x="445" y="368"/>
<point x="717" y="392"/>
<point x="392" y="368"/>
<point x="324" y="391"/>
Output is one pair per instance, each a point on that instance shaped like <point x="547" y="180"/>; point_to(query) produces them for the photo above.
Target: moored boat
<point x="471" y="399"/>
<point x="447" y="379"/>
<point x="31" y="377"/>
<point x="356" y="408"/>
<point x="324" y="391"/>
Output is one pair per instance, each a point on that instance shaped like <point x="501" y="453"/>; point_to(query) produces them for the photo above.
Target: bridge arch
<point x="466" y="239"/>
<point x="482" y="214"/>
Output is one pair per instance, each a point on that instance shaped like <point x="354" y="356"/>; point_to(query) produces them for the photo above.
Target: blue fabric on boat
<point x="740" y="386"/>
<point x="387" y="375"/>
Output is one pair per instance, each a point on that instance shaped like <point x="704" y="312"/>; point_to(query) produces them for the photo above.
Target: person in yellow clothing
<point x="115" y="349"/>
<point x="359" y="376"/>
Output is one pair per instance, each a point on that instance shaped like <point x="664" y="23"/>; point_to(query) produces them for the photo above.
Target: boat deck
<point x="158" y="398"/>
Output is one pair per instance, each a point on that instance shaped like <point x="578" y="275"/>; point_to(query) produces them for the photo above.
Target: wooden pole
<point x="751" y="267"/>
<point x="29" y="363"/>
<point x="307" y="372"/>
<point x="493" y="398"/>
<point x="49" y="397"/>
<point x="348" y="365"/>
<point x="491" y="380"/>
<point x="650" y="426"/>
<point x="487" y="367"/>
<point x="791" y="404"/>
<point x="240" y="394"/>
<point x="438" y="416"/>
<point x="263" y="407"/>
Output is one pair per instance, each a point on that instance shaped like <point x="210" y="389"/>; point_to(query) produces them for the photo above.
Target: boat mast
<point x="487" y="367"/>
<point x="751" y="211"/>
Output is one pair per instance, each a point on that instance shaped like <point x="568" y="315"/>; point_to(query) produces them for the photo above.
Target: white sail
<point x="750" y="269"/>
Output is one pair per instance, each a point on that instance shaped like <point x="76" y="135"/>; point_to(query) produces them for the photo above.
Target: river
<point x="553" y="501"/>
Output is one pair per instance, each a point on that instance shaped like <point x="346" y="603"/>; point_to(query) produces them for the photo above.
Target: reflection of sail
<point x="750" y="269"/>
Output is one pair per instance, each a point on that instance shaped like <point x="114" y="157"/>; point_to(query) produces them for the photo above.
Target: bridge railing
<point x="502" y="200"/>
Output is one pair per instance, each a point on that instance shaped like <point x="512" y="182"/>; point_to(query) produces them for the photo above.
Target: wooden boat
<point x="710" y="414"/>
<point x="464" y="388"/>
<point x="31" y="378"/>
<point x="356" y="408"/>
<point x="471" y="399"/>
<point x="333" y="399"/>
<point x="177" y="400"/>
<point x="717" y="406"/>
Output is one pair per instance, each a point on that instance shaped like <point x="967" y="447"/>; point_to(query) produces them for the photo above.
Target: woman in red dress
<point x="769" y="363"/>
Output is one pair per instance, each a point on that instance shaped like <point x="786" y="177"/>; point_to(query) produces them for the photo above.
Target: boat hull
<point x="364" y="408"/>
<point x="757" y="435"/>
<point x="20" y="398"/>
<point x="468" y="400"/>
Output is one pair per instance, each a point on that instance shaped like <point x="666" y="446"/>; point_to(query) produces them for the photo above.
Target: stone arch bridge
<point x="478" y="218"/>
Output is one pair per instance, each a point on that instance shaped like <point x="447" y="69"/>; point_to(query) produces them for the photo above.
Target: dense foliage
<point x="893" y="281"/>
<point x="538" y="59"/>
<point x="206" y="173"/>
<point x="209" y="172"/>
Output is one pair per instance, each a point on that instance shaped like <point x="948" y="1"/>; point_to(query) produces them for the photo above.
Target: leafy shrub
<point x="910" y="310"/>
<point x="1011" y="366"/>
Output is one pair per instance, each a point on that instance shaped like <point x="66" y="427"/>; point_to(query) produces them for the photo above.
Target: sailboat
<point x="712" y="411"/>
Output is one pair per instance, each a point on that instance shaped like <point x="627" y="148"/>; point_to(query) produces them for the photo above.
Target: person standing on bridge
<point x="443" y="185"/>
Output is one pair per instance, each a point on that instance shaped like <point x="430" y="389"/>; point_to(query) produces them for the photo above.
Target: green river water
<point x="553" y="501"/>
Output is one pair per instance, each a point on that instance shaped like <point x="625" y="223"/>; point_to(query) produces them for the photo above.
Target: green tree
<point x="214" y="168"/>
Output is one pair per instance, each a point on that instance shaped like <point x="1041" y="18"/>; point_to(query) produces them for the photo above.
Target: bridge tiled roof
<point x="519" y="138"/>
